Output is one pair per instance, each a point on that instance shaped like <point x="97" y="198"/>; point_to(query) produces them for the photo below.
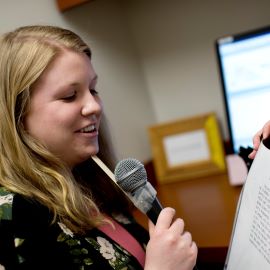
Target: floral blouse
<point x="29" y="241"/>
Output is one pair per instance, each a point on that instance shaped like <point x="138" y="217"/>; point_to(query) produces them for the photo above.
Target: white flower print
<point x="6" y="199"/>
<point x="106" y="249"/>
<point x="122" y="219"/>
<point x="18" y="242"/>
<point x="2" y="267"/>
<point x="65" y="229"/>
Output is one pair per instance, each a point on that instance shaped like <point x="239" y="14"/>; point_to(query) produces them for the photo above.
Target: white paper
<point x="250" y="243"/>
<point x="186" y="147"/>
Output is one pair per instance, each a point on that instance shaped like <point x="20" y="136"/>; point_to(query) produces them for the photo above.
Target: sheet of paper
<point x="250" y="243"/>
<point x="186" y="147"/>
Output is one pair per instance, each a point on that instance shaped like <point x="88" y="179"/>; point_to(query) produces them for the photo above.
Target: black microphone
<point x="131" y="176"/>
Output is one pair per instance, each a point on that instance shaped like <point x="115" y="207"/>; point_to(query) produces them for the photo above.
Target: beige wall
<point x="155" y="58"/>
<point x="175" y="41"/>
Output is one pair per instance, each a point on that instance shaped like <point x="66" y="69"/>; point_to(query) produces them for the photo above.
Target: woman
<point x="58" y="210"/>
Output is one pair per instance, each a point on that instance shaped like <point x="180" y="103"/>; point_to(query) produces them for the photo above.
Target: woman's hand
<point x="170" y="247"/>
<point x="260" y="135"/>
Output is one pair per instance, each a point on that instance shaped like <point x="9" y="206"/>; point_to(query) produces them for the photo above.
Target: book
<point x="249" y="247"/>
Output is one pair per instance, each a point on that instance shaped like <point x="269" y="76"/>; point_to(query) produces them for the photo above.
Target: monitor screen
<point x="244" y="66"/>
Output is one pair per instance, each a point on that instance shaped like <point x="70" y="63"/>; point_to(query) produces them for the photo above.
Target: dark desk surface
<point x="207" y="206"/>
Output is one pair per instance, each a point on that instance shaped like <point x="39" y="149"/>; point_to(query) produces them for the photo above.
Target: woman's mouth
<point x="88" y="129"/>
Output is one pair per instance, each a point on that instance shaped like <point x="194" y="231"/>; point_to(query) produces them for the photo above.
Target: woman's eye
<point x="69" y="97"/>
<point x="93" y="92"/>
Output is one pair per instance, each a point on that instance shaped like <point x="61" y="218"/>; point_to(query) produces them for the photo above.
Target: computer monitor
<point x="244" y="67"/>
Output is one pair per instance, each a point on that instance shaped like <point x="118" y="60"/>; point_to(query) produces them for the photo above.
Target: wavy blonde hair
<point x="26" y="166"/>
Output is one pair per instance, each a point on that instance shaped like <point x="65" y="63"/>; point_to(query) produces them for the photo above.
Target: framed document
<point x="187" y="148"/>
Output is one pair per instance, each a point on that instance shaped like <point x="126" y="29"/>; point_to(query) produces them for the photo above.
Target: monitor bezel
<point x="233" y="38"/>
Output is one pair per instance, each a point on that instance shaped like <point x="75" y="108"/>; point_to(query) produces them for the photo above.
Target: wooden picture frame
<point x="187" y="148"/>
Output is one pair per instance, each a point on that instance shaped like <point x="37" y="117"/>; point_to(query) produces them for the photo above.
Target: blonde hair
<point x="26" y="166"/>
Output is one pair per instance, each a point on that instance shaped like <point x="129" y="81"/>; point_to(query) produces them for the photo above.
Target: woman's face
<point x="65" y="109"/>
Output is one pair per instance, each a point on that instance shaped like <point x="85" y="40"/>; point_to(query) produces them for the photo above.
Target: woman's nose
<point x="92" y="105"/>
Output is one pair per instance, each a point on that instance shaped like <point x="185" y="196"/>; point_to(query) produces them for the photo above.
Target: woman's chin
<point x="85" y="155"/>
<point x="91" y="153"/>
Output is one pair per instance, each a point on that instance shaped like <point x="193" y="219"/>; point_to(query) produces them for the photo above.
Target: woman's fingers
<point x="187" y="239"/>
<point x="170" y="247"/>
<point x="177" y="226"/>
<point x="258" y="137"/>
<point x="165" y="218"/>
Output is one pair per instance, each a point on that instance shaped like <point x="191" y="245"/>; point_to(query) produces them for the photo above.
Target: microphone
<point x="131" y="176"/>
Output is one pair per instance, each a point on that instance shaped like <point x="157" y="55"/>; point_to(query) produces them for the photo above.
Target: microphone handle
<point x="154" y="211"/>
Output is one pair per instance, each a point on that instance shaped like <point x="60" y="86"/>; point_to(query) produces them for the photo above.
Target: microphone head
<point x="130" y="174"/>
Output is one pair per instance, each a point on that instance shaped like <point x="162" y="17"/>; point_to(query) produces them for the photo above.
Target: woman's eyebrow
<point x="78" y="83"/>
